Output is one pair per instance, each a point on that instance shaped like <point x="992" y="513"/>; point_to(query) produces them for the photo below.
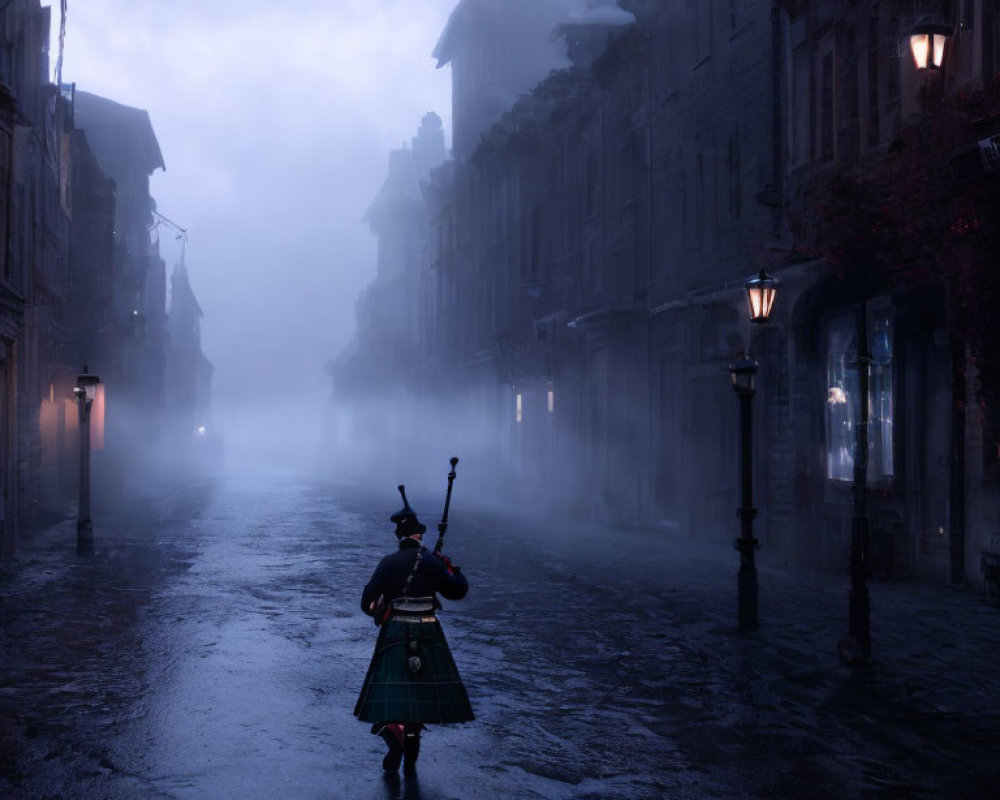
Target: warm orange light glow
<point x="761" y="301"/>
<point x="927" y="42"/>
<point x="921" y="47"/>
<point x="761" y="292"/>
<point x="97" y="420"/>
<point x="938" y="50"/>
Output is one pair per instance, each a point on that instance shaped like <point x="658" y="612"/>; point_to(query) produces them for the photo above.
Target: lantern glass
<point x="927" y="43"/>
<point x="937" y="49"/>
<point x="920" y="47"/>
<point x="761" y="292"/>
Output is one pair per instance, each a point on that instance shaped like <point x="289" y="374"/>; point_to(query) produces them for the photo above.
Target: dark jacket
<point x="431" y="576"/>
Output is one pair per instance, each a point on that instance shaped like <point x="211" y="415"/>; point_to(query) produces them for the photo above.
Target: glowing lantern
<point x="761" y="292"/>
<point x="927" y="41"/>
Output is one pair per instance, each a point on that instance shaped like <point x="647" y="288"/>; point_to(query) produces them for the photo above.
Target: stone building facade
<point x="188" y="421"/>
<point x="375" y="417"/>
<point x="588" y="249"/>
<point x="82" y="284"/>
<point x="35" y="245"/>
<point x="130" y="341"/>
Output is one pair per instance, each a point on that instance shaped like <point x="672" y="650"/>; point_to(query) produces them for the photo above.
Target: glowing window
<point x="842" y="410"/>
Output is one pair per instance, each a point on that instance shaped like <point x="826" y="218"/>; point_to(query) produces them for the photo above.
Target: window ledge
<point x="701" y="62"/>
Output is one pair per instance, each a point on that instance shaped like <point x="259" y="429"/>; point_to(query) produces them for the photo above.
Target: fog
<point x="275" y="122"/>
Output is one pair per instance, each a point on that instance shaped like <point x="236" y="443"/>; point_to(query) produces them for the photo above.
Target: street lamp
<point x="761" y="292"/>
<point x="86" y="393"/>
<point x="855" y="648"/>
<point x="744" y="374"/>
<point x="927" y="41"/>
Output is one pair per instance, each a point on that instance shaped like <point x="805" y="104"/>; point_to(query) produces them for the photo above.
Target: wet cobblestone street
<point x="212" y="647"/>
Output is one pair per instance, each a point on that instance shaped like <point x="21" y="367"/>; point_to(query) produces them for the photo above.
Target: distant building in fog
<point x="82" y="286"/>
<point x="130" y="343"/>
<point x="188" y="378"/>
<point x="498" y="50"/>
<point x="372" y="376"/>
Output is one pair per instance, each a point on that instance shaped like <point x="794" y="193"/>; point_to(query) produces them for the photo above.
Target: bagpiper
<point x="412" y="680"/>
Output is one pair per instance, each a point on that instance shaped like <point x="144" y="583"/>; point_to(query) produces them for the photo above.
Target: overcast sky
<point x="275" y="120"/>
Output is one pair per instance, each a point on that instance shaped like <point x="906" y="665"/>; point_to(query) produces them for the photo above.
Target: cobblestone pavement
<point x="212" y="648"/>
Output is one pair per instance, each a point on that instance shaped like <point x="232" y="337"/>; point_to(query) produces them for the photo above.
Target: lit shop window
<point x="842" y="410"/>
<point x="880" y="462"/>
<point x="842" y="382"/>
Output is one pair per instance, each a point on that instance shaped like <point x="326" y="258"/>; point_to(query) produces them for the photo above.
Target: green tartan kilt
<point x="392" y="692"/>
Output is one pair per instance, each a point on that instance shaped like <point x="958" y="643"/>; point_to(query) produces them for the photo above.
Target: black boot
<point x="411" y="747"/>
<point x="395" y="755"/>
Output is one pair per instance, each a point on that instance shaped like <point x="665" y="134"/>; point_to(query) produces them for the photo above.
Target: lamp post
<point x="761" y="292"/>
<point x="744" y="374"/>
<point x="855" y="649"/>
<point x="86" y="392"/>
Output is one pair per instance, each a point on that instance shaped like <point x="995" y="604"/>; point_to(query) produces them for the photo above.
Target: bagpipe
<point x="382" y="609"/>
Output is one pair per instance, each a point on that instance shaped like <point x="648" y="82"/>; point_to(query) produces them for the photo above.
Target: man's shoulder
<point x="397" y="557"/>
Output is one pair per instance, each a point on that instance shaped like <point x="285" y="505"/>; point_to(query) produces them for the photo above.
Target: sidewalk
<point x="921" y="721"/>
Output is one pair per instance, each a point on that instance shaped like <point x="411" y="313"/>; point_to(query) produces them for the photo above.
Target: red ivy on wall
<point x="907" y="220"/>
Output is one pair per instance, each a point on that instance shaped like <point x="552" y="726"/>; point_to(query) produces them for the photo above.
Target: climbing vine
<point x="917" y="217"/>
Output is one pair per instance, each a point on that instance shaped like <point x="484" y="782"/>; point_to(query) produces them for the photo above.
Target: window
<point x="849" y="106"/>
<point x="737" y="10"/>
<point x="683" y="216"/>
<point x="628" y="170"/>
<point x="593" y="267"/>
<point x="880" y="464"/>
<point x="892" y="62"/>
<point x="592" y="187"/>
<point x="535" y="257"/>
<point x="841" y="383"/>
<point x="702" y="32"/>
<point x="733" y="175"/>
<point x="5" y="266"/>
<point x="699" y="200"/>
<point x="842" y="410"/>
<point x="801" y="114"/>
<point x="662" y="57"/>
<point x="874" y="109"/>
<point x="827" y="125"/>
